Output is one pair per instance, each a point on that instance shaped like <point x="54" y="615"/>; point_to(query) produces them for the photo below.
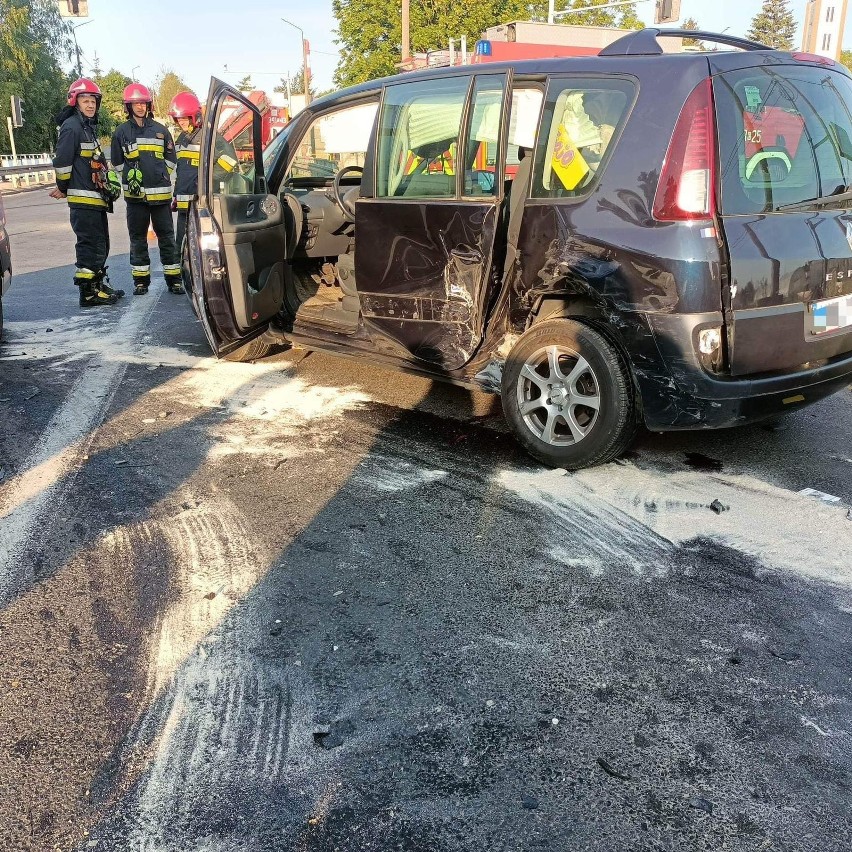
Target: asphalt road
<point x="307" y="604"/>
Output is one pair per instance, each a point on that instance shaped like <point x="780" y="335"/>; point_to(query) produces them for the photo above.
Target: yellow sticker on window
<point x="567" y="161"/>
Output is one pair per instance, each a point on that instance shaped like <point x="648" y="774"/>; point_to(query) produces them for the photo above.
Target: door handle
<point x="250" y="209"/>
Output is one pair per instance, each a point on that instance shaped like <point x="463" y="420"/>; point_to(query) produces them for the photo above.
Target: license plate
<point x="831" y="315"/>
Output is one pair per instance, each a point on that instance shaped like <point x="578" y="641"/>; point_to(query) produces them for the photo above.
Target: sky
<point x="200" y="38"/>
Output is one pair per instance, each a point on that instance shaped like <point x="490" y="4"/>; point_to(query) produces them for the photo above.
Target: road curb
<point x="5" y="192"/>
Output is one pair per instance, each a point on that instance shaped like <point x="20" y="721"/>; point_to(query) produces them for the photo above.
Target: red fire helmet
<point x="83" y="86"/>
<point x="136" y="93"/>
<point x="186" y="105"/>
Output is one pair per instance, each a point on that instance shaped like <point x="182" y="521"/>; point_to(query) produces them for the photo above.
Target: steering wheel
<point x="346" y="205"/>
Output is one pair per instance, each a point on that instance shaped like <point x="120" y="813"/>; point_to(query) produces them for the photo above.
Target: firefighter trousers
<point x="159" y="216"/>
<point x="92" y="231"/>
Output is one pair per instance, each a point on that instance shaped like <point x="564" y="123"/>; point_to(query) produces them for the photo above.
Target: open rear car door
<point x="236" y="233"/>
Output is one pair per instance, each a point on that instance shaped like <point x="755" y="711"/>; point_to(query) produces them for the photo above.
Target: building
<point x="518" y="40"/>
<point x="825" y="21"/>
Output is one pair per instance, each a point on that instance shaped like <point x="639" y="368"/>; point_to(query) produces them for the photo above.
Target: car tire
<point x="254" y="350"/>
<point x="569" y="396"/>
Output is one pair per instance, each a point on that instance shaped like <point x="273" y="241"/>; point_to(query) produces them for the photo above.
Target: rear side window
<point x="419" y="132"/>
<point x="581" y="118"/>
<point x="785" y="136"/>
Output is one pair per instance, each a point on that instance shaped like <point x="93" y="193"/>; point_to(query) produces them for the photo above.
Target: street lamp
<point x="74" y="28"/>
<point x="306" y="76"/>
<point x="133" y="72"/>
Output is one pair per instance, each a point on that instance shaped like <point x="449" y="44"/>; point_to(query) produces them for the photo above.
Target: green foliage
<point x="245" y="85"/>
<point x="112" y="111"/>
<point x="166" y="86"/>
<point x="846" y="58"/>
<point x="692" y="24"/>
<point x="34" y="42"/>
<point x="774" y="25"/>
<point x="370" y="34"/>
<point x="297" y="83"/>
<point x="623" y="17"/>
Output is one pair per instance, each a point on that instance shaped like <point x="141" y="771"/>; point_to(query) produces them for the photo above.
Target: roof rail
<point x="644" y="42"/>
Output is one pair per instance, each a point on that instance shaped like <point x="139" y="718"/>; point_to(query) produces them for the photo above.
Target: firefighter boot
<point x="92" y="295"/>
<point x="174" y="283"/>
<point x="102" y="279"/>
<point x="141" y="285"/>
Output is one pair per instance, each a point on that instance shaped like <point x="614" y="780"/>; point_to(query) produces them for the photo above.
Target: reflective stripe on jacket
<point x="188" y="157"/>
<point x="151" y="149"/>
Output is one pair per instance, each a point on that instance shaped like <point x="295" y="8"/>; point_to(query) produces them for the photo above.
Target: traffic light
<point x="667" y="11"/>
<point x="17" y="112"/>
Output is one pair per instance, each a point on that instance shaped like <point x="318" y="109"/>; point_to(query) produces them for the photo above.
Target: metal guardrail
<point x="24" y="161"/>
<point x="30" y="177"/>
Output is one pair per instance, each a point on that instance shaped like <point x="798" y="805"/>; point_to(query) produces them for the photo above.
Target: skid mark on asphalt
<point x="584" y="529"/>
<point x="24" y="499"/>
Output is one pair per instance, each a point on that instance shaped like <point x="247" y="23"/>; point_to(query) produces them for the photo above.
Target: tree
<point x="297" y="84"/>
<point x="774" y="25"/>
<point x="846" y="58"/>
<point x="692" y="24"/>
<point x="112" y="112"/>
<point x="370" y="35"/>
<point x="624" y="17"/>
<point x="166" y="86"/>
<point x="283" y="87"/>
<point x="245" y="85"/>
<point x="34" y="43"/>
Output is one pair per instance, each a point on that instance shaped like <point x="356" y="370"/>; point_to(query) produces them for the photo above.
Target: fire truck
<point x="237" y="121"/>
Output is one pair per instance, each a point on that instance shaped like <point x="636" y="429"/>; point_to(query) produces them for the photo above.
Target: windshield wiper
<point x="844" y="195"/>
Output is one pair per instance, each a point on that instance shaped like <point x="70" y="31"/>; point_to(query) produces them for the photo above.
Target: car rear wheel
<point x="568" y="395"/>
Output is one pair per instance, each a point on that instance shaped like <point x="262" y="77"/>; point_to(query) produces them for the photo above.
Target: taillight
<point x="686" y="188"/>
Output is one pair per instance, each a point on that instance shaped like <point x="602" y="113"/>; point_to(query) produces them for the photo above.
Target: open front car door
<point x="237" y="232"/>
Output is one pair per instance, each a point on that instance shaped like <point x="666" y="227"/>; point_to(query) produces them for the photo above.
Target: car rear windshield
<point x="785" y="137"/>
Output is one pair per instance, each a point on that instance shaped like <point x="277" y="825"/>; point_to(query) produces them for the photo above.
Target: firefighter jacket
<point x="188" y="154"/>
<point x="76" y="149"/>
<point x="188" y="157"/>
<point x="150" y="149"/>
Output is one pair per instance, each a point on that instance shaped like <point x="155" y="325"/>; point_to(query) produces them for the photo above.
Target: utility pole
<point x="306" y="71"/>
<point x="74" y="28"/>
<point x="12" y="139"/>
<point x="406" y="32"/>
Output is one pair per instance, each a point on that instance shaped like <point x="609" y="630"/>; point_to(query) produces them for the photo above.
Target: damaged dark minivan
<point x="633" y="238"/>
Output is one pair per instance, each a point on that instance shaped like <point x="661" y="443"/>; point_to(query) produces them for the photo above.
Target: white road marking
<point x="58" y="455"/>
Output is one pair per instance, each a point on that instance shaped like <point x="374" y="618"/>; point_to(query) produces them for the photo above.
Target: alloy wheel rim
<point x="558" y="396"/>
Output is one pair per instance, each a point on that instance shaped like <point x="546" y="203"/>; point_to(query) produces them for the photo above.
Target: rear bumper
<point x="695" y="399"/>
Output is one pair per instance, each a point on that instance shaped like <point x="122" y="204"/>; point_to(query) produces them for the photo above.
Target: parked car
<point x="5" y="262"/>
<point x="635" y="237"/>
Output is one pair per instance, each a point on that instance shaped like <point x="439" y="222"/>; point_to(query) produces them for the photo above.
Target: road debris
<point x="529" y="803"/>
<point x="701" y="804"/>
<point x="819" y="495"/>
<point x="610" y="770"/>
<point x="718" y="507"/>
<point x="333" y="735"/>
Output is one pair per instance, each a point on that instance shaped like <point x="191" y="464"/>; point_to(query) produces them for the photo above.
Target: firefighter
<point x="83" y="178"/>
<point x="145" y="150"/>
<point x="185" y="109"/>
